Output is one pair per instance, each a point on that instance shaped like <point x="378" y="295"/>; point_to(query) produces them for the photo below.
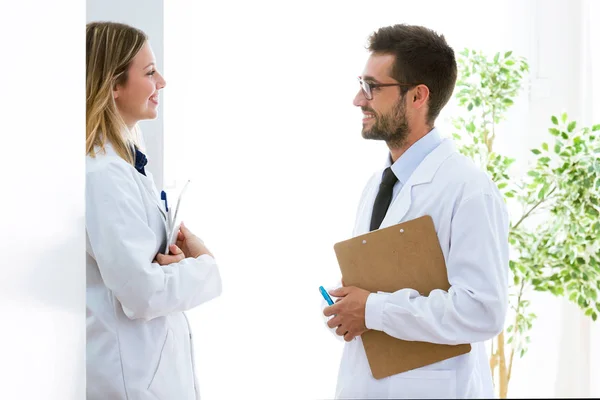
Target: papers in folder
<point x="174" y="220"/>
<point x="407" y="255"/>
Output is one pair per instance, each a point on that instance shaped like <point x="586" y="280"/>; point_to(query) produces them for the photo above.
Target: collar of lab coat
<point x="147" y="179"/>
<point x="423" y="174"/>
<point x="408" y="162"/>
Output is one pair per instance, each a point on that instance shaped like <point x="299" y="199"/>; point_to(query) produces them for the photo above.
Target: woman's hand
<point x="191" y="244"/>
<point x="175" y="256"/>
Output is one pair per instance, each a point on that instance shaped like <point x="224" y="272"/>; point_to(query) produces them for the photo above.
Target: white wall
<point x="260" y="117"/>
<point x="146" y="15"/>
<point x="42" y="230"/>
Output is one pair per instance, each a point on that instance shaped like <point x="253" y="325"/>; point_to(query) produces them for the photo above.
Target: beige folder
<point x="407" y="255"/>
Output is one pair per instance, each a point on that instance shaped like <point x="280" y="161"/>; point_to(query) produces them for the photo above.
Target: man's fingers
<point x="331" y="310"/>
<point x="340" y="292"/>
<point x="334" y="322"/>
<point x="348" y="337"/>
<point x="341" y="330"/>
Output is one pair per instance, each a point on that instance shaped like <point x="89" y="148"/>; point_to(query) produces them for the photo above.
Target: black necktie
<point x="384" y="198"/>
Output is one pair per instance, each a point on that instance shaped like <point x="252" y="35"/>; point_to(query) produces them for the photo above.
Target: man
<point x="408" y="78"/>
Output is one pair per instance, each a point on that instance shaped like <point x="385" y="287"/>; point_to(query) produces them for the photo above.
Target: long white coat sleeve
<point x="125" y="246"/>
<point x="474" y="307"/>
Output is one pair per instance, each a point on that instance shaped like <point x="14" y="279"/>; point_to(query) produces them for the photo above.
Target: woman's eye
<point x="151" y="73"/>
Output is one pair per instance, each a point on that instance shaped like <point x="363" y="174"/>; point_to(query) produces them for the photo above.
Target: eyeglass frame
<point x="372" y="86"/>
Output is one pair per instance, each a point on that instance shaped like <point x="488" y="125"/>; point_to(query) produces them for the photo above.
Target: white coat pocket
<point x="423" y="384"/>
<point x="165" y="380"/>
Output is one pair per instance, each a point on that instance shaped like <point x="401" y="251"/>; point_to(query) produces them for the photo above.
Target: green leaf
<point x="563" y="117"/>
<point x="510" y="62"/>
<point x="456" y="136"/>
<point x="545" y="146"/>
<point x="470" y="127"/>
<point x="554" y="131"/>
<point x="564" y="135"/>
<point x="508" y="101"/>
<point x="543" y="191"/>
<point x="536" y="151"/>
<point x="573" y="296"/>
<point x="596" y="128"/>
<point x="507" y="54"/>
<point x="502" y="185"/>
<point x="470" y="107"/>
<point x="496" y="57"/>
<point x="535" y="174"/>
<point x="554" y="120"/>
<point x="571" y="126"/>
<point x="544" y="160"/>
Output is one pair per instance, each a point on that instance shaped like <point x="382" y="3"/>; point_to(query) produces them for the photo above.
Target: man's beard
<point x="391" y="127"/>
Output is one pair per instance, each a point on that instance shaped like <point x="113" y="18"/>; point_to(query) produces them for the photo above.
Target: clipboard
<point x="406" y="255"/>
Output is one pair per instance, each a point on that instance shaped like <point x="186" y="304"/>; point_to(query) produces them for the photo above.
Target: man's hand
<point x="191" y="244"/>
<point x="349" y="312"/>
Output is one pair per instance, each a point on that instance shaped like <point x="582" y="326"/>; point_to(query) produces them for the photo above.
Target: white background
<point x="259" y="116"/>
<point x="42" y="232"/>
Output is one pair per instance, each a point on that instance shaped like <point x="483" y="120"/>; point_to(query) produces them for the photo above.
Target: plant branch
<point x="533" y="208"/>
<point x="512" y="351"/>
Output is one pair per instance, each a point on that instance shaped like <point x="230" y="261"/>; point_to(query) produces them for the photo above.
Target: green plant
<point x="555" y="240"/>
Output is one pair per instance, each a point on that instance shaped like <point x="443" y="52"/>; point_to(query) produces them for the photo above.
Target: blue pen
<point x="326" y="295"/>
<point x="163" y="197"/>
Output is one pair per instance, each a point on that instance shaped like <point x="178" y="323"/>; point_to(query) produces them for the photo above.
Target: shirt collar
<point x="140" y="161"/>
<point x="414" y="155"/>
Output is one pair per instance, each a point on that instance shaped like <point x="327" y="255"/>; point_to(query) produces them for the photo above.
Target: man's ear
<point x="420" y="96"/>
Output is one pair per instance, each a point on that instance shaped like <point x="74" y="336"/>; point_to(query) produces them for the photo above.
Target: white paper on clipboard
<point x="175" y="220"/>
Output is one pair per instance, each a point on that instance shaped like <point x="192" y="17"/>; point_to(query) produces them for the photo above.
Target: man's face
<point x="385" y="114"/>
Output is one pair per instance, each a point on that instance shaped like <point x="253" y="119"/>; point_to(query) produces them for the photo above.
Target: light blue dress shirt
<point x="410" y="160"/>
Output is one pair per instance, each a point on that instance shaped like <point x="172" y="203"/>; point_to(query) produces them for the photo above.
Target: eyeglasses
<point x="367" y="87"/>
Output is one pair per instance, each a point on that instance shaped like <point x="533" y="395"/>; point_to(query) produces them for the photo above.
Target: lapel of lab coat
<point x="148" y="185"/>
<point x="424" y="173"/>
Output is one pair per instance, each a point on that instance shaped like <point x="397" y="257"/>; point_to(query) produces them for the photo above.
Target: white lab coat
<point x="471" y="221"/>
<point x="139" y="344"/>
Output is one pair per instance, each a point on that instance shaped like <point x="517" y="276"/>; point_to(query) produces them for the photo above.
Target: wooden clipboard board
<point x="406" y="255"/>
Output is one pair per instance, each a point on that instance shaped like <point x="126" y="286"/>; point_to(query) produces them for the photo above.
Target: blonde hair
<point x="110" y="49"/>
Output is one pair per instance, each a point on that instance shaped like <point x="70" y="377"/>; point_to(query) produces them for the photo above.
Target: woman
<point x="139" y="344"/>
